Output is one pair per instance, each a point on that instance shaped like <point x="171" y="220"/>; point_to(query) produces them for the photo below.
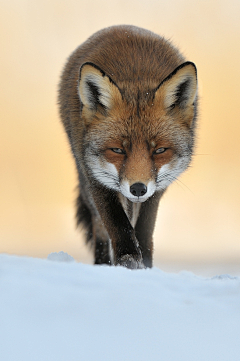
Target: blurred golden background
<point x="199" y="217"/>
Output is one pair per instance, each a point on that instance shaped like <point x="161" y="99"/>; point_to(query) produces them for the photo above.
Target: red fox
<point x="128" y="102"/>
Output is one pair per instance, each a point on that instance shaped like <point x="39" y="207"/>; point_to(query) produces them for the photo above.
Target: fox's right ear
<point x="96" y="90"/>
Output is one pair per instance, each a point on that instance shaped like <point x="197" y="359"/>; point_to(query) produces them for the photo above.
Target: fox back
<point x="128" y="102"/>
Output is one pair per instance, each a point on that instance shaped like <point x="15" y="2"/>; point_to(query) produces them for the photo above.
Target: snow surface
<point x="67" y="311"/>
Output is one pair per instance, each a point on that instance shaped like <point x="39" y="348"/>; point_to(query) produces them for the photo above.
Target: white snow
<point x="67" y="311"/>
<point x="60" y="257"/>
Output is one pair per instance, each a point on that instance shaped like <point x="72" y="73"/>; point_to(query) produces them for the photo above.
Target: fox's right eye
<point x="118" y="150"/>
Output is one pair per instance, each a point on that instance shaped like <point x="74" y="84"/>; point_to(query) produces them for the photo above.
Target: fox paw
<point x="131" y="262"/>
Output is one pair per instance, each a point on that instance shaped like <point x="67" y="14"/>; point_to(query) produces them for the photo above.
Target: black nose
<point x="138" y="189"/>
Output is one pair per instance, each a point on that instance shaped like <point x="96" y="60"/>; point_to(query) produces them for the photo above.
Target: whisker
<point x="201" y="154"/>
<point x="110" y="180"/>
<point x="186" y="187"/>
<point x="171" y="178"/>
<point x="105" y="173"/>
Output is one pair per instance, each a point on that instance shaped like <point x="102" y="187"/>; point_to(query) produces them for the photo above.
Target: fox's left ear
<point x="179" y="88"/>
<point x="96" y="90"/>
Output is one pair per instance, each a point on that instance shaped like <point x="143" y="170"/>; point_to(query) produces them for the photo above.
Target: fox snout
<point x="138" y="191"/>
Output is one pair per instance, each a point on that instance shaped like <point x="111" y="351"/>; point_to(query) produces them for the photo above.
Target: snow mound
<point x="60" y="257"/>
<point x="58" y="311"/>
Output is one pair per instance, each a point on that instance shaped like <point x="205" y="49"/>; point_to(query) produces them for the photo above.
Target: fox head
<point x="138" y="139"/>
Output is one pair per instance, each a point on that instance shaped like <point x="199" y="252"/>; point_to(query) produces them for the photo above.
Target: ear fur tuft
<point x="95" y="88"/>
<point x="180" y="87"/>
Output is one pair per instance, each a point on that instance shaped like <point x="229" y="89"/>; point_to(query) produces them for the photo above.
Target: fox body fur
<point x="128" y="102"/>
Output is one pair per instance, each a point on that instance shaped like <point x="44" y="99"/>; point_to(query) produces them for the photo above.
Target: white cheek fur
<point x="106" y="173"/>
<point x="167" y="174"/>
<point x="111" y="169"/>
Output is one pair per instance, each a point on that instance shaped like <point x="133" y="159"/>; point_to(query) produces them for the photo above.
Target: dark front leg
<point x="101" y="241"/>
<point x="101" y="253"/>
<point x="125" y="245"/>
<point x="145" y="226"/>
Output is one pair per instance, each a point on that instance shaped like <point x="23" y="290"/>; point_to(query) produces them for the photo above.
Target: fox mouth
<point x="137" y="199"/>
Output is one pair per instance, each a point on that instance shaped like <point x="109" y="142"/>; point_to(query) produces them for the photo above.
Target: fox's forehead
<point x="135" y="130"/>
<point x="140" y="106"/>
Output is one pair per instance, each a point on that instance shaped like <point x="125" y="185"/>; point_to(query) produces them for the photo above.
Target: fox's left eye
<point x="160" y="150"/>
<point x="118" y="150"/>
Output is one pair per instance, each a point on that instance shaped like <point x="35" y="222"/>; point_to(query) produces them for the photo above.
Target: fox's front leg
<point x="145" y="226"/>
<point x="124" y="242"/>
